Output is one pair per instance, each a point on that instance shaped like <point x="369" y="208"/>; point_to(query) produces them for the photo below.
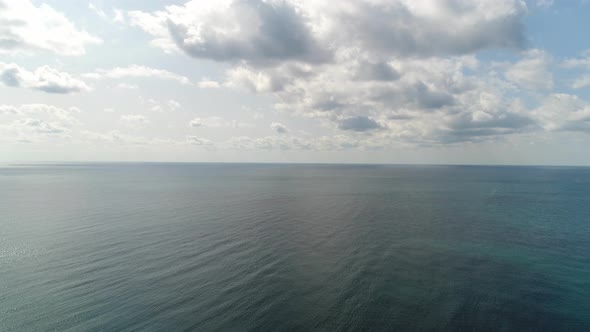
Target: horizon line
<point x="90" y="162"/>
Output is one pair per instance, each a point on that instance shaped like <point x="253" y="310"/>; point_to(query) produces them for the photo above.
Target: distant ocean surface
<point x="206" y="247"/>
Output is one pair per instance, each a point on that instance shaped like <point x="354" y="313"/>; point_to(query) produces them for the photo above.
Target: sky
<point x="350" y="81"/>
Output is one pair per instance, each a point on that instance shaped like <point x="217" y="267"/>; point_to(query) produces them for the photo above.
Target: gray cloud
<point x="279" y="128"/>
<point x="9" y="44"/>
<point x="359" y="123"/>
<point x="53" y="87"/>
<point x="466" y="128"/>
<point x="42" y="127"/>
<point x="377" y="71"/>
<point x="263" y="32"/>
<point x="429" y="99"/>
<point x="9" y="76"/>
<point x="393" y="61"/>
<point x="395" y="28"/>
<point x="266" y="32"/>
<point x="581" y="125"/>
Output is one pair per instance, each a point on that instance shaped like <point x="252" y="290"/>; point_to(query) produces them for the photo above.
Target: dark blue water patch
<point x="259" y="247"/>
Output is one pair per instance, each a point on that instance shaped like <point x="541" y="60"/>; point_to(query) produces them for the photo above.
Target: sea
<point x="293" y="247"/>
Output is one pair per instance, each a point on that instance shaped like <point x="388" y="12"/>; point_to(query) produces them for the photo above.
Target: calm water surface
<point x="205" y="247"/>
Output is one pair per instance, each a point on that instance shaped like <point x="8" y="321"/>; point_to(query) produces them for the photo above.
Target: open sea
<point x="262" y="247"/>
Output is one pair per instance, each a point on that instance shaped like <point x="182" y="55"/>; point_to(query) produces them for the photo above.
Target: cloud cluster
<point x="287" y="142"/>
<point x="368" y="73"/>
<point x="393" y="72"/>
<point x="34" y="122"/>
<point x="263" y="32"/>
<point x="44" y="78"/>
<point x="64" y="115"/>
<point x="124" y="140"/>
<point x="25" y="27"/>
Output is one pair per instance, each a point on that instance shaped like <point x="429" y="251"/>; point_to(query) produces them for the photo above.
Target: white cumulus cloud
<point x="26" y="27"/>
<point x="532" y="72"/>
<point x="44" y="78"/>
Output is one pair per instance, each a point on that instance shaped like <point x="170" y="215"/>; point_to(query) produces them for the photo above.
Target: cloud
<point x="42" y="127"/>
<point x="286" y="142"/>
<point x="98" y="11"/>
<point x="532" y="72"/>
<point x="137" y="71"/>
<point x="410" y="28"/>
<point x="117" y="16"/>
<point x="217" y="122"/>
<point x="119" y="139"/>
<point x="378" y="71"/>
<point x="36" y="122"/>
<point x="198" y="141"/>
<point x="483" y="113"/>
<point x="337" y="93"/>
<point x="381" y="71"/>
<point x="265" y="32"/>
<point x="196" y="123"/>
<point x="581" y="82"/>
<point x="255" y="80"/>
<point x="480" y="126"/>
<point x="49" y="111"/>
<point x="269" y="143"/>
<point x="44" y="78"/>
<point x="429" y="98"/>
<point x="25" y="27"/>
<point x="257" y="31"/>
<point x="173" y="105"/>
<point x="279" y="128"/>
<point x="544" y="3"/>
<point x="564" y="112"/>
<point x="583" y="63"/>
<point x="359" y="123"/>
<point x="208" y="84"/>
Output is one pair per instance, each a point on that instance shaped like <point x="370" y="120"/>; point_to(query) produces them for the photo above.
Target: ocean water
<point x="207" y="247"/>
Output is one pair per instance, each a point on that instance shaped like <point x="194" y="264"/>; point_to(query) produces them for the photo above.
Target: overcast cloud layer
<point x="400" y="81"/>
